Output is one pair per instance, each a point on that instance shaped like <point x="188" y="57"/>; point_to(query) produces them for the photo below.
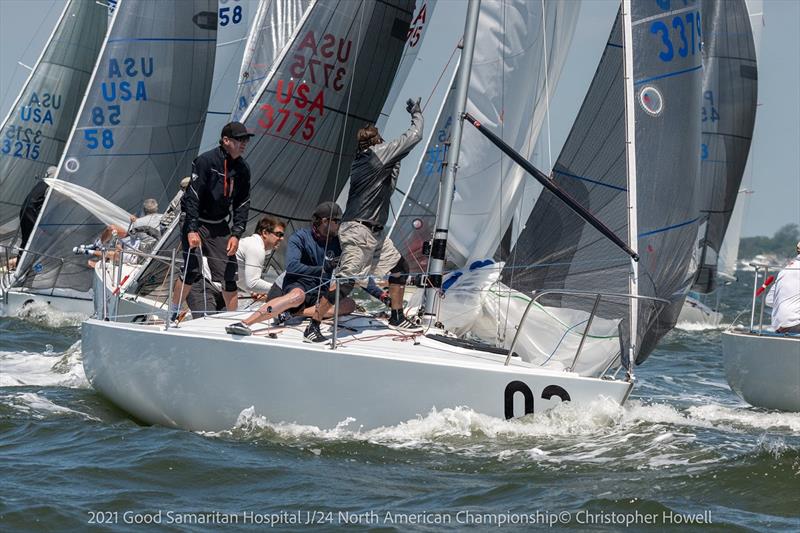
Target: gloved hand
<point x="386" y="299"/>
<point x="413" y="106"/>
<point x="330" y="264"/>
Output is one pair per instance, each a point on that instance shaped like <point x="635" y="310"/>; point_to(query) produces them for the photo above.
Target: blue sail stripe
<point x="668" y="75"/>
<point x="145" y="153"/>
<point x="668" y="228"/>
<point x="160" y="39"/>
<point x="590" y="180"/>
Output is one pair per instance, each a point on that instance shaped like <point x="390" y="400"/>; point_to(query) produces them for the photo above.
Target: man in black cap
<point x="311" y="255"/>
<point x="219" y="190"/>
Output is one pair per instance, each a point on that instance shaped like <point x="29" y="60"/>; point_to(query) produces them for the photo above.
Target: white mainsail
<point x="518" y="59"/>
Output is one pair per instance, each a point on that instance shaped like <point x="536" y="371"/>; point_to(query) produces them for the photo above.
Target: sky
<point x="774" y="170"/>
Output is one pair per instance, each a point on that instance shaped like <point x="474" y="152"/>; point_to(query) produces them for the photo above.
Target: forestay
<point x="517" y="60"/>
<point x="36" y="129"/>
<point x="138" y="129"/>
<point x="730" y="90"/>
<point x="559" y="250"/>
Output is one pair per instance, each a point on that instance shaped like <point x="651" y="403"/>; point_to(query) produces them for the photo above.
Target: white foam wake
<point x="43" y="314"/>
<point x="699" y="326"/>
<point x="594" y="432"/>
<point x="46" y="369"/>
<point x="38" y="407"/>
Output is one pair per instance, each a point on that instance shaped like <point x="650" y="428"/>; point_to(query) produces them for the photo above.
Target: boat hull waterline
<point x="194" y="379"/>
<point x="764" y="370"/>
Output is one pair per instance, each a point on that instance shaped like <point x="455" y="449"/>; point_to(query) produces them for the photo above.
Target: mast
<point x="630" y="157"/>
<point x="439" y="247"/>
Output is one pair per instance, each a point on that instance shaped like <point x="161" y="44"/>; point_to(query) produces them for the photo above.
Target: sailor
<point x="30" y="212"/>
<point x="784" y="297"/>
<point x="311" y="255"/>
<point x="142" y="234"/>
<point x="252" y="254"/>
<point x="365" y="248"/>
<point x="220" y="189"/>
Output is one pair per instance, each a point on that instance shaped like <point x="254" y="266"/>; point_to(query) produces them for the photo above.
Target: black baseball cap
<point x="236" y="130"/>
<point x="328" y="210"/>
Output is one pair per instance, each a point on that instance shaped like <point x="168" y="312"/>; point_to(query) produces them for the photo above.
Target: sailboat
<point x="137" y="131"/>
<point x="730" y="91"/>
<point x="35" y="130"/>
<point x="638" y="120"/>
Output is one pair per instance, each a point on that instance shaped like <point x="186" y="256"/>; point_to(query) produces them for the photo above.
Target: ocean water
<point x="683" y="453"/>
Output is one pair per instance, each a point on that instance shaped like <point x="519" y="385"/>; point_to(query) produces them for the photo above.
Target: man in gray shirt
<point x="365" y="249"/>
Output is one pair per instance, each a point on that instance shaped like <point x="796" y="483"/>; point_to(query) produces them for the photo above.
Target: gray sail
<point x="557" y="249"/>
<point x="518" y="58"/>
<point x="730" y="90"/>
<point x="329" y="82"/>
<point x="137" y="132"/>
<point x="35" y="131"/>
<point x="273" y="26"/>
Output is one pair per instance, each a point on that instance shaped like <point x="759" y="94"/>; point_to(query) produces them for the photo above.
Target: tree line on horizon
<point x="781" y="244"/>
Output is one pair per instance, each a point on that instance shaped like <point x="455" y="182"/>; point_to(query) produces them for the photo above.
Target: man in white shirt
<point x="253" y="251"/>
<point x="784" y="297"/>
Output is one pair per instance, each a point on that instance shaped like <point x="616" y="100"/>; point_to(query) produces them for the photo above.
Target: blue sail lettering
<point x="113" y="68"/>
<point x="242" y="102"/>
<point x="29" y="114"/>
<point x="125" y="91"/>
<point x="141" y="91"/>
<point x="109" y="91"/>
<point x="34" y="99"/>
<point x="51" y="100"/>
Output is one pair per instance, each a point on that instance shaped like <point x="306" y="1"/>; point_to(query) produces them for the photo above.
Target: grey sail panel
<point x="35" y="131"/>
<point x="557" y="249"/>
<point x="137" y="132"/>
<point x="518" y="57"/>
<point x="730" y="90"/>
<point x="273" y="26"/>
<point x="330" y="81"/>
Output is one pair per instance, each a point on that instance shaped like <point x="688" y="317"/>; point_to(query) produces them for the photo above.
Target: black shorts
<point x="214" y="245"/>
<point x="312" y="297"/>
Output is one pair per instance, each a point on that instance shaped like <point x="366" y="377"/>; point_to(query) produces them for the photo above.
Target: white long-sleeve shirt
<point x="251" y="256"/>
<point x="784" y="296"/>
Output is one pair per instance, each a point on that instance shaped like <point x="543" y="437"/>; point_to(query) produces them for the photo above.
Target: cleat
<point x="313" y="334"/>
<point x="238" y="329"/>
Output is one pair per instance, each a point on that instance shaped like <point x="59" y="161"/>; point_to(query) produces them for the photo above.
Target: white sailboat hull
<point x="764" y="370"/>
<point x="697" y="313"/>
<point x="199" y="379"/>
<point x="15" y="301"/>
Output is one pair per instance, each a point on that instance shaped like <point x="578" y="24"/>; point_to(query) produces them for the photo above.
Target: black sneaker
<point x="238" y="329"/>
<point x="313" y="334"/>
<point x="281" y="318"/>
<point x="404" y="325"/>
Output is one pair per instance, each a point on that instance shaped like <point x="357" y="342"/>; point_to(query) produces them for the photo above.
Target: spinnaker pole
<point x="630" y="157"/>
<point x="439" y="246"/>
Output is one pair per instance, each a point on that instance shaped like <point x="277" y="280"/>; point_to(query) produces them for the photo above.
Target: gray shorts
<point x="364" y="253"/>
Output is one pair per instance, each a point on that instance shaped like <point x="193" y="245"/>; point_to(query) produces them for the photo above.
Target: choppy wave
<point x="43" y="314"/>
<point x="47" y="369"/>
<point x="699" y="326"/>
<point x="646" y="435"/>
<point x="36" y="406"/>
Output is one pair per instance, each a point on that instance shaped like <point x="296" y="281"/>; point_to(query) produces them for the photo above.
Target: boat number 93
<point x="682" y="34"/>
<point x="517" y="386"/>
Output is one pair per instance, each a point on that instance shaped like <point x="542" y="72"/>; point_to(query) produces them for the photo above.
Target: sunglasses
<point x="278" y="234"/>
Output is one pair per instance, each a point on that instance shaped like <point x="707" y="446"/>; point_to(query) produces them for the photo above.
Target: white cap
<point x="50" y="172"/>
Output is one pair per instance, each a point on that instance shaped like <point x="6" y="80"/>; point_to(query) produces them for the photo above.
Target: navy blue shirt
<point x="305" y="259"/>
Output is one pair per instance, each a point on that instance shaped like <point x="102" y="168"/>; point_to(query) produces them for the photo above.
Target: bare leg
<point x="180" y="292"/>
<point x="276" y="306"/>
<point x="346" y="306"/>
<point x="231" y="300"/>
<point x="396" y="292"/>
